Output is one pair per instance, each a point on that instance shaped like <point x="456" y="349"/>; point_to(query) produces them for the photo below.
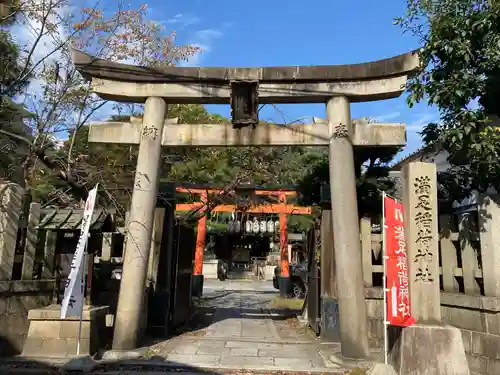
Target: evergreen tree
<point x="461" y="76"/>
<point x="12" y="149"/>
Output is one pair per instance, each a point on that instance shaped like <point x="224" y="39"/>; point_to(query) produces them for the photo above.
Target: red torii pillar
<point x="284" y="282"/>
<point x="201" y="237"/>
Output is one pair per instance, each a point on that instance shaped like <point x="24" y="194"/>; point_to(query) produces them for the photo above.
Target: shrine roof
<point x="70" y="219"/>
<point x="92" y="67"/>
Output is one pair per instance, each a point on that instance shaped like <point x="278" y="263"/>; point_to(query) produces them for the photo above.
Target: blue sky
<point x="293" y="32"/>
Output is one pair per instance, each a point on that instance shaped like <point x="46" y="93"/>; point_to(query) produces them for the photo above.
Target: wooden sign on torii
<point x="337" y="86"/>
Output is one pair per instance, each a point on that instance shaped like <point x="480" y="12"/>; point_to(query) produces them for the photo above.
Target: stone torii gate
<point x="244" y="89"/>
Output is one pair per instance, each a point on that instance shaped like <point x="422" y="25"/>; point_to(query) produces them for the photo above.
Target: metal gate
<point x="313" y="282"/>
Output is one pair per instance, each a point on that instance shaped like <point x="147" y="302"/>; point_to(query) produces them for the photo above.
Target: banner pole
<point x="82" y="286"/>
<point x="384" y="261"/>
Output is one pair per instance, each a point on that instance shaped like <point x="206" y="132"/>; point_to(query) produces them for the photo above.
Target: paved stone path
<point x="238" y="334"/>
<point x="241" y="332"/>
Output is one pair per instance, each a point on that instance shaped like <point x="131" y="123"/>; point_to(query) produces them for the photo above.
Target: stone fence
<point x="17" y="298"/>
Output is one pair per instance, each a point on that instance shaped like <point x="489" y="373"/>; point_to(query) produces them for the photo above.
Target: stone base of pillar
<point x="285" y="286"/>
<point x="49" y="336"/>
<point x="426" y="349"/>
<point x="330" y="328"/>
<point x="197" y="285"/>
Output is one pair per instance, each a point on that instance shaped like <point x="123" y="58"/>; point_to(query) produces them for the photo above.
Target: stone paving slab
<point x="246" y="362"/>
<point x="244" y="352"/>
<point x="289" y="352"/>
<point x="245" y="334"/>
<point x="292" y="364"/>
<point x="185" y="349"/>
<point x="213" y="351"/>
<point x="250" y="344"/>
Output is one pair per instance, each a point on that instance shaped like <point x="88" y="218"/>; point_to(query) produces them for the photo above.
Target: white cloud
<point x="204" y="39"/>
<point x="208" y="34"/>
<point x="181" y="20"/>
<point x="422" y="121"/>
<point x="387" y="116"/>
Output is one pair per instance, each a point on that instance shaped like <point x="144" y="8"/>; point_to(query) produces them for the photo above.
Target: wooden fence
<point x="46" y="242"/>
<point x="468" y="253"/>
<point x="469" y="246"/>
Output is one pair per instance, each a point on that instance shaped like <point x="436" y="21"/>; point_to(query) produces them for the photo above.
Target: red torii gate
<point x="282" y="208"/>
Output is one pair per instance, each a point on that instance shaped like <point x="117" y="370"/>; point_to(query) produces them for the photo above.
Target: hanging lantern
<point x="270" y="226"/>
<point x="237" y="226"/>
<point x="263" y="226"/>
<point x="230" y="226"/>
<point x="277" y="226"/>
<point x="248" y="226"/>
<point x="256" y="225"/>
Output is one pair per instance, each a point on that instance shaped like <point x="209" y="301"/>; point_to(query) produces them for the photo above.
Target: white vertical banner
<point x="72" y="303"/>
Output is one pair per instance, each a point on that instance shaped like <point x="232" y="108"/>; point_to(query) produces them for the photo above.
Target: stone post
<point x="140" y="227"/>
<point x="31" y="242"/>
<point x="106" y="247"/>
<point x="49" y="254"/>
<point x="347" y="244"/>
<point x="421" y="231"/>
<point x="201" y="238"/>
<point x="427" y="346"/>
<point x="10" y="209"/>
<point x="329" y="295"/>
<point x="489" y="222"/>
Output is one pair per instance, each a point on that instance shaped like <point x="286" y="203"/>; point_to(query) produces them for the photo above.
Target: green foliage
<point x="12" y="149"/>
<point x="372" y="171"/>
<point x="461" y="65"/>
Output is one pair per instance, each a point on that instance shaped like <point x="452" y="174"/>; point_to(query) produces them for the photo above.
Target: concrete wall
<point x="16" y="299"/>
<point x="477" y="317"/>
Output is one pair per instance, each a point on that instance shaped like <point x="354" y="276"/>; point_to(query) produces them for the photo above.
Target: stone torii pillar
<point x="347" y="244"/>
<point x="139" y="227"/>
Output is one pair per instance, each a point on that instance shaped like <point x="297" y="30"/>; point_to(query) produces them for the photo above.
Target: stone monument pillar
<point x="31" y="241"/>
<point x="426" y="347"/>
<point x="140" y="227"/>
<point x="329" y="295"/>
<point x="11" y="196"/>
<point x="422" y="238"/>
<point x="347" y="244"/>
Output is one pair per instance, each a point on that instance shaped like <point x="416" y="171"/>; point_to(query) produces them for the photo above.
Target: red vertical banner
<point x="396" y="267"/>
